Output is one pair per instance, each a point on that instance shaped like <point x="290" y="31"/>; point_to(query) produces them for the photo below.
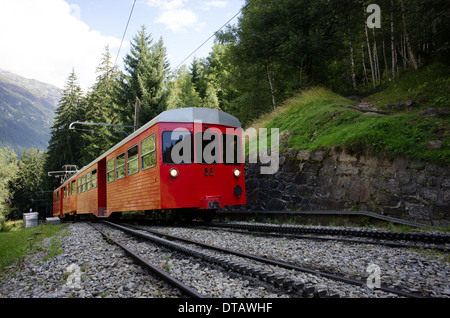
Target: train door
<point x="61" y="201"/>
<point x="101" y="183"/>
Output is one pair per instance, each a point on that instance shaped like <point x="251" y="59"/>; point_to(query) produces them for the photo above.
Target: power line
<point x="129" y="18"/>
<point x="210" y="37"/>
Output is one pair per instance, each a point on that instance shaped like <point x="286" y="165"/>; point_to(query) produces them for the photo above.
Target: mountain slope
<point x="26" y="111"/>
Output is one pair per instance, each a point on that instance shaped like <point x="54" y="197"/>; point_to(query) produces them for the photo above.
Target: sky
<point x="46" y="39"/>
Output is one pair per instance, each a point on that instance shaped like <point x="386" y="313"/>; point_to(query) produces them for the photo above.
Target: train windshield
<point x="207" y="147"/>
<point x="178" y="147"/>
<point x="231" y="150"/>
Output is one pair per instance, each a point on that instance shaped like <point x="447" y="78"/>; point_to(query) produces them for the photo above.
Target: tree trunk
<point x="370" y="53"/>
<point x="366" y="80"/>
<point x="412" y="57"/>
<point x="385" y="62"/>
<point x="403" y="53"/>
<point x="352" y="62"/>
<point x="272" y="90"/>
<point x="394" y="60"/>
<point x="376" y="60"/>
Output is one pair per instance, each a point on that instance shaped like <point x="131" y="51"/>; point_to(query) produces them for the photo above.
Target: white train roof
<point x="206" y="115"/>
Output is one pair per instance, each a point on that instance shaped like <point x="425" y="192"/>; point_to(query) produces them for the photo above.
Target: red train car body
<point x="187" y="159"/>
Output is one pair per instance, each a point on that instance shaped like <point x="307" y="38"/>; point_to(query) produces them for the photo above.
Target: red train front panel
<point x="201" y="180"/>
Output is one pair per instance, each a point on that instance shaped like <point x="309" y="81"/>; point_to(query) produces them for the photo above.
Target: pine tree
<point x="182" y="91"/>
<point x="66" y="146"/>
<point x="102" y="108"/>
<point x="145" y="72"/>
<point x="198" y="77"/>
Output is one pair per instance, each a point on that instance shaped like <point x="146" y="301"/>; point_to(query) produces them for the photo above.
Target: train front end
<point x="201" y="166"/>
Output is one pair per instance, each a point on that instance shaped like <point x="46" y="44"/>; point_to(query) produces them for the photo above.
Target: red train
<point x="187" y="160"/>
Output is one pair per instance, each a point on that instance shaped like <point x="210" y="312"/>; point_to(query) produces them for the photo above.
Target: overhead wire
<point x="124" y="33"/>
<point x="193" y="52"/>
<point x="226" y="23"/>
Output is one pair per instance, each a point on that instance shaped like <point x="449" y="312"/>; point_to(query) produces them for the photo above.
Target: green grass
<point x="14" y="244"/>
<point x="429" y="87"/>
<point x="318" y="119"/>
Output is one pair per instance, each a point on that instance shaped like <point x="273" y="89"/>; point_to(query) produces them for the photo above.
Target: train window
<point x="94" y="178"/>
<point x="120" y="166"/>
<point x="148" y="152"/>
<point x="79" y="185"/>
<point x="88" y="181"/>
<point x="210" y="147"/>
<point x="170" y="139"/>
<point x="65" y="192"/>
<point x="133" y="160"/>
<point x="231" y="150"/>
<point x="74" y="187"/>
<point x="83" y="183"/>
<point x="110" y="170"/>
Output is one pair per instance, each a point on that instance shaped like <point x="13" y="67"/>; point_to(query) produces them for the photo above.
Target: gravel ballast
<point x="89" y="266"/>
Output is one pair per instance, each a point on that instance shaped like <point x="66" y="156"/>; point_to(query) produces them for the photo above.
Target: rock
<point x="434" y="144"/>
<point x="366" y="105"/>
<point x="396" y="106"/>
<point x="284" y="136"/>
<point x="434" y="112"/>
<point x="410" y="103"/>
<point x="360" y="190"/>
<point x="304" y="154"/>
<point x="318" y="155"/>
<point x="53" y="220"/>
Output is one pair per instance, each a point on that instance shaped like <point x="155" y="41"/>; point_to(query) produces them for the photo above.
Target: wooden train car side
<point x="132" y="184"/>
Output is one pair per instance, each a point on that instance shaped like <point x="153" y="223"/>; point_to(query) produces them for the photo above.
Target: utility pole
<point x="65" y="174"/>
<point x="136" y="114"/>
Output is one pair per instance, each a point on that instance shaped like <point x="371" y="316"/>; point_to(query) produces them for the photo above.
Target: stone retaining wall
<point x="332" y="180"/>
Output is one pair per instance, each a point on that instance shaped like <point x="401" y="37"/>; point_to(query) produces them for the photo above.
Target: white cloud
<point x="215" y="4"/>
<point x="174" y="14"/>
<point x="177" y="20"/>
<point x="45" y="39"/>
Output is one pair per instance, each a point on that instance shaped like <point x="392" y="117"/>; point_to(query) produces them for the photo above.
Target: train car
<point x="188" y="160"/>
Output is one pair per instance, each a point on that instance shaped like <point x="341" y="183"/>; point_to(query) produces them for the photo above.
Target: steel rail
<point x="322" y="238"/>
<point x="264" y="228"/>
<point x="281" y="264"/>
<point x="335" y="212"/>
<point x="161" y="273"/>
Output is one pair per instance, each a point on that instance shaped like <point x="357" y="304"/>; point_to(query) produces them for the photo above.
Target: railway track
<point x="288" y="278"/>
<point x="435" y="241"/>
<point x="156" y="270"/>
<point x="204" y="263"/>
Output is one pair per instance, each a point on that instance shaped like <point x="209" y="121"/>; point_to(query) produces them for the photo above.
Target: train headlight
<point x="237" y="173"/>
<point x="173" y="172"/>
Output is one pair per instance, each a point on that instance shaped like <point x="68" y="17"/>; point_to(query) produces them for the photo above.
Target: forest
<point x="276" y="49"/>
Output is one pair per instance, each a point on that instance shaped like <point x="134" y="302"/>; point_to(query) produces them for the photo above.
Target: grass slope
<point x="320" y="119"/>
<point x="429" y="87"/>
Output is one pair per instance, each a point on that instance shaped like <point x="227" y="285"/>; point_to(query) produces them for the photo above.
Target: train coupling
<point x="211" y="203"/>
